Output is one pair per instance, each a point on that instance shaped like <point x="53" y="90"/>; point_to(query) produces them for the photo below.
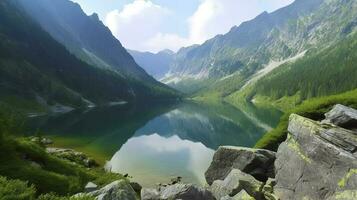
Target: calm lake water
<point x="155" y="142"/>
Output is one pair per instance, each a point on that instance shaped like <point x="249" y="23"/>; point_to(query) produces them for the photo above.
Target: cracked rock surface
<point x="317" y="161"/>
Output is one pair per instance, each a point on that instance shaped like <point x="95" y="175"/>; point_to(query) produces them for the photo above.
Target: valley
<point x="86" y="114"/>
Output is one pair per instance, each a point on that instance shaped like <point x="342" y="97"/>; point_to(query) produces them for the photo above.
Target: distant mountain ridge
<point x="155" y="64"/>
<point x="227" y="61"/>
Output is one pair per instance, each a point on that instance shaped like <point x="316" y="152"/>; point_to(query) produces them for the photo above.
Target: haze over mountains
<point x="156" y="64"/>
<point x="48" y="59"/>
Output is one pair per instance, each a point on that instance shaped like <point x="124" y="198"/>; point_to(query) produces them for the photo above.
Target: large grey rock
<point x="177" y="191"/>
<point x="256" y="162"/>
<point x="316" y="161"/>
<point x="118" y="190"/>
<point x="342" y="116"/>
<point x="235" y="182"/>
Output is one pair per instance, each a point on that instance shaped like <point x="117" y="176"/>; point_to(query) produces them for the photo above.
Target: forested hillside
<point x="225" y="63"/>
<point x="330" y="71"/>
<point x="37" y="72"/>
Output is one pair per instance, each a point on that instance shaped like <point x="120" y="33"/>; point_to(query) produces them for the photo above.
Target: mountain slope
<point x="90" y="40"/>
<point x="155" y="64"/>
<point x="231" y="59"/>
<point x="36" y="71"/>
<point x="319" y="73"/>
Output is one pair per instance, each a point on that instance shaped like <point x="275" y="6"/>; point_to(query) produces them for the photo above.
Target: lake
<point x="157" y="141"/>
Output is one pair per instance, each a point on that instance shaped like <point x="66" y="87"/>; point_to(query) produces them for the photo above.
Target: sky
<point x="155" y="25"/>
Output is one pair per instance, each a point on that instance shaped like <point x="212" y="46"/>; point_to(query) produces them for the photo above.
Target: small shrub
<point x="16" y="190"/>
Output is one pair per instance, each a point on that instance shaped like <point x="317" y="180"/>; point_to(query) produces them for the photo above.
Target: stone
<point x="116" y="190"/>
<point x="73" y="156"/>
<point x="234" y="183"/>
<point x="90" y="187"/>
<point x="177" y="191"/>
<point x="257" y="162"/>
<point x="342" y="116"/>
<point x="317" y="161"/>
<point x="243" y="195"/>
<point x="35" y="165"/>
<point x="175" y="180"/>
<point x="46" y="141"/>
<point x="136" y="186"/>
<point x="35" y="140"/>
<point x="268" y="189"/>
<point x="150" y="194"/>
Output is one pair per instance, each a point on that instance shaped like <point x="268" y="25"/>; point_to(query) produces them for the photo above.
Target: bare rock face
<point x="257" y="162"/>
<point x="317" y="161"/>
<point x="177" y="191"/>
<point x="342" y="116"/>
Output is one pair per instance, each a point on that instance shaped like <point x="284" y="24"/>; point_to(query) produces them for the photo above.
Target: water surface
<point x="155" y="142"/>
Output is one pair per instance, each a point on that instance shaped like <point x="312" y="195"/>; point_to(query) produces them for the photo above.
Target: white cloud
<point x="218" y="16"/>
<point x="167" y="41"/>
<point x="136" y="23"/>
<point x="140" y="25"/>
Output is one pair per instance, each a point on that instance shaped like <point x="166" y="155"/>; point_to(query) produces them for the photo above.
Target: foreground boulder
<point x="235" y="182"/>
<point x="257" y="162"/>
<point x="342" y="116"/>
<point x="317" y="161"/>
<point x="177" y="191"/>
<point x="118" y="190"/>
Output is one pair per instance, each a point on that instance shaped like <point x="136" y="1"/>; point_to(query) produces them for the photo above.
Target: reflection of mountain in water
<point x="106" y="128"/>
<point x="212" y="125"/>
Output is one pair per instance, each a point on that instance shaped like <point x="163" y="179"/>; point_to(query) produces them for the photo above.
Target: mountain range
<point x="48" y="60"/>
<point x="257" y="60"/>
<point x="230" y="65"/>
<point x="155" y="64"/>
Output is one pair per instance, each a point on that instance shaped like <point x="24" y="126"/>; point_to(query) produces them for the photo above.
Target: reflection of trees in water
<point x="106" y="127"/>
<point x="213" y="125"/>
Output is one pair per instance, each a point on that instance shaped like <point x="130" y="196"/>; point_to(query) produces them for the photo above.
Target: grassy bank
<point x="312" y="108"/>
<point x="26" y="161"/>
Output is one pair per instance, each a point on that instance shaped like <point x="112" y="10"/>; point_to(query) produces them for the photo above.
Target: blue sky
<point x="154" y="25"/>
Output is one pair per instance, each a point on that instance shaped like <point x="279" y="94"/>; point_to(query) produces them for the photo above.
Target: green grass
<point x="313" y="109"/>
<point x="24" y="160"/>
<point x="21" y="190"/>
<point x="16" y="190"/>
<point x="54" y="175"/>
